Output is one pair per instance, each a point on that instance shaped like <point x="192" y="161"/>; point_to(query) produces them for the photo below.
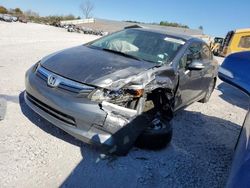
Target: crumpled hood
<point x="93" y="66"/>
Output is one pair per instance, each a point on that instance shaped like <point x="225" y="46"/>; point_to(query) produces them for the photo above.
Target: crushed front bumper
<point x="77" y="116"/>
<point x="114" y="128"/>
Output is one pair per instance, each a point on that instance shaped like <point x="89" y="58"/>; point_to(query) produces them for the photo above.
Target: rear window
<point x="244" y="42"/>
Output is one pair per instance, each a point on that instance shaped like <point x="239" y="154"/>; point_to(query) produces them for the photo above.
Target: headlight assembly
<point x="125" y="94"/>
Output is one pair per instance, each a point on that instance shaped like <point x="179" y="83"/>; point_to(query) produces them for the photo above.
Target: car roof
<point x="167" y="33"/>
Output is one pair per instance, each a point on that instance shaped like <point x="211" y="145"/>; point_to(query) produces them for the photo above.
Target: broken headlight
<point x="104" y="95"/>
<point x="120" y="96"/>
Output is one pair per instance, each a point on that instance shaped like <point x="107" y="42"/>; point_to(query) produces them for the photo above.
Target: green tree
<point x="18" y="11"/>
<point x="173" y="24"/>
<point x="30" y="13"/>
<point x="68" y="17"/>
<point x="3" y="10"/>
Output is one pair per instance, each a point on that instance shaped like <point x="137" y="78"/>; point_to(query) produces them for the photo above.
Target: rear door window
<point x="193" y="53"/>
<point x="205" y="53"/>
<point x="196" y="49"/>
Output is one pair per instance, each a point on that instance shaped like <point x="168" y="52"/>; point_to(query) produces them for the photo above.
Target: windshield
<point x="149" y="46"/>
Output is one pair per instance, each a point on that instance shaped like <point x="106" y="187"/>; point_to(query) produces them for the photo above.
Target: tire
<point x="155" y="139"/>
<point x="209" y="91"/>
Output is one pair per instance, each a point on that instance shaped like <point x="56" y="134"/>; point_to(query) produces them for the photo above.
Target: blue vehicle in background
<point x="235" y="70"/>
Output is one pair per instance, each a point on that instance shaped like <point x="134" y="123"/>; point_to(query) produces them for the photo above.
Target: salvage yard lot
<point x="35" y="153"/>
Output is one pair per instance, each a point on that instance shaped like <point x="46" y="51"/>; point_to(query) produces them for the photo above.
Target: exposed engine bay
<point x="143" y="93"/>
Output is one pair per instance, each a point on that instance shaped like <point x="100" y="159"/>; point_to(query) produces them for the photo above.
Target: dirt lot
<point x="35" y="153"/>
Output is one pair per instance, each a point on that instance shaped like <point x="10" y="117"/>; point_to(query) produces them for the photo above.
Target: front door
<point x="191" y="84"/>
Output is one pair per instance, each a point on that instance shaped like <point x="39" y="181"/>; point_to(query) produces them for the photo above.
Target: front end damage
<point x="110" y="113"/>
<point x="135" y="103"/>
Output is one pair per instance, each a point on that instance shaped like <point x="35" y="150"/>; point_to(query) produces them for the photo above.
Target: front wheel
<point x="157" y="136"/>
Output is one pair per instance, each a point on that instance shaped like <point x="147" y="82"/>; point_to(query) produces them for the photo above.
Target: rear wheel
<point x="209" y="91"/>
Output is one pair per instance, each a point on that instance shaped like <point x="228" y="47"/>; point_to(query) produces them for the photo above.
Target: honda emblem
<point x="53" y="81"/>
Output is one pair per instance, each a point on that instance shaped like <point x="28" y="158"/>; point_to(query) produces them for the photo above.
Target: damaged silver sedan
<point x="123" y="88"/>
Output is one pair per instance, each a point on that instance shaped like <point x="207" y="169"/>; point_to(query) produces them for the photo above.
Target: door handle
<point x="186" y="72"/>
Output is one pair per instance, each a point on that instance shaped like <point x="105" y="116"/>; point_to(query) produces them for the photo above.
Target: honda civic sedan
<point x="123" y="88"/>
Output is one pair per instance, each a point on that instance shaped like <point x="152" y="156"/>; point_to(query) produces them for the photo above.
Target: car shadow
<point x="233" y="95"/>
<point x="4" y="99"/>
<point x="206" y="143"/>
<point x="43" y="124"/>
<point x="201" y="151"/>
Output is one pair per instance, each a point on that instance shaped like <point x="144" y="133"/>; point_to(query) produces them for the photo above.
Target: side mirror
<point x="195" y="66"/>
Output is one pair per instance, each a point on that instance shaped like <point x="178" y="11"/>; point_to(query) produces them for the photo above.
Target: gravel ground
<point x="35" y="153"/>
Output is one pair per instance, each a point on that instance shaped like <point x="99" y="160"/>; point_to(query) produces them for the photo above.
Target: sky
<point x="216" y="16"/>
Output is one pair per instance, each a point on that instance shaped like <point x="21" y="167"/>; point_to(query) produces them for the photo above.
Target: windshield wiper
<point x="121" y="53"/>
